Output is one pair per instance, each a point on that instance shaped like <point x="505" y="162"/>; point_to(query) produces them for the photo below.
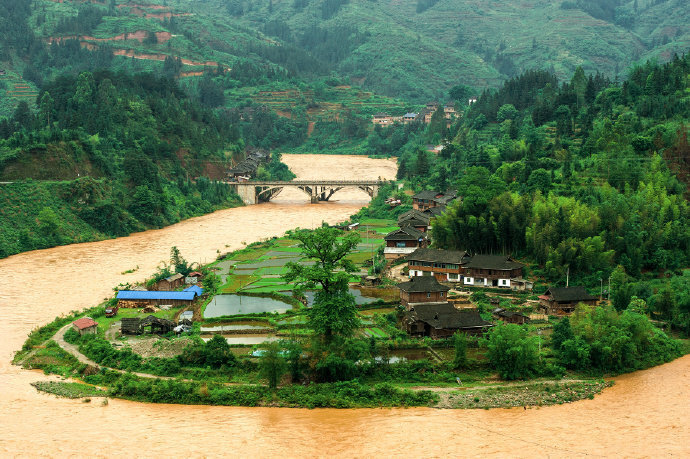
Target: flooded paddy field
<point x="233" y="304"/>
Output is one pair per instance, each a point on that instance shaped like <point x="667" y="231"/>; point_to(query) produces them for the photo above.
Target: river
<point x="644" y="414"/>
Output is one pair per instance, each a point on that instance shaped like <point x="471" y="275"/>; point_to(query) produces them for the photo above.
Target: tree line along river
<point x="646" y="413"/>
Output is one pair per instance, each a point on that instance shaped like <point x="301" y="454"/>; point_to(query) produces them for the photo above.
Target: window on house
<point x="400" y="244"/>
<point x="441" y="294"/>
<point x="428" y="295"/>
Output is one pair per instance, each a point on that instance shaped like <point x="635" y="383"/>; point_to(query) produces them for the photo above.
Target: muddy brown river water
<point x="646" y="414"/>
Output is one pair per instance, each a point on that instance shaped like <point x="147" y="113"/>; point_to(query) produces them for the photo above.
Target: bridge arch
<point x="317" y="190"/>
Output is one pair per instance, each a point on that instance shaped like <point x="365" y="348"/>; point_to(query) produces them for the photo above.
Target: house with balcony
<point x="422" y="289"/>
<point x="491" y="271"/>
<point x="404" y="241"/>
<point x="418" y="220"/>
<point x="444" y="265"/>
<point x="428" y="199"/>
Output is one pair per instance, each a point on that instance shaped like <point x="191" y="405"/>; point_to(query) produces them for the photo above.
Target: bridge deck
<point x="312" y="183"/>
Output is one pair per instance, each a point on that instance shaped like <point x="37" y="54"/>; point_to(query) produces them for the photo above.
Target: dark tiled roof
<point x="445" y="315"/>
<point x="413" y="222"/>
<point x="414" y="214"/>
<point x="493" y="262"/>
<point x="569" y="294"/>
<point x="439" y="256"/>
<point x="406" y="233"/>
<point x="503" y="313"/>
<point x="426" y="194"/>
<point x="435" y="211"/>
<point x="418" y="284"/>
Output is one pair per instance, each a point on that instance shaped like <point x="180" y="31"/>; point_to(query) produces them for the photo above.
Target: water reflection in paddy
<point x="244" y="339"/>
<point x="228" y="305"/>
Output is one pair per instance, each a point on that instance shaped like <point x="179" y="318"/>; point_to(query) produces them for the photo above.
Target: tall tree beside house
<point x="334" y="311"/>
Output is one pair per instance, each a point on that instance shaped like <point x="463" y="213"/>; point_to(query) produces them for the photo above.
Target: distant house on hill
<point x="491" y="271"/>
<point x="382" y="119"/>
<point x="403" y="241"/>
<point x="409" y="117"/>
<point x="444" y="265"/>
<point x="564" y="300"/>
<point x="428" y="199"/>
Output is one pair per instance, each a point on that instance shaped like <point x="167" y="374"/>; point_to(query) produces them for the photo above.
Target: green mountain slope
<point x="398" y="50"/>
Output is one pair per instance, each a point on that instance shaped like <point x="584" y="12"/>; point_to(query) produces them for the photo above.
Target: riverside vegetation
<point x="326" y="359"/>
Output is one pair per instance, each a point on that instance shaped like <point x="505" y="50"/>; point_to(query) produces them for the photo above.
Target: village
<point x="413" y="306"/>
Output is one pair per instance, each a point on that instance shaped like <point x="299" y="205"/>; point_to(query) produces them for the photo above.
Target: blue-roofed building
<point x="196" y="289"/>
<point x="128" y="297"/>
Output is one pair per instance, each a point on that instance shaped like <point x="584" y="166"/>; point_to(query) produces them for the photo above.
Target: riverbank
<point x="643" y="415"/>
<point x="377" y="365"/>
<point x="60" y="358"/>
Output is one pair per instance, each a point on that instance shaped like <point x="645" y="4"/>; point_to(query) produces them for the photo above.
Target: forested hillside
<point x="108" y="154"/>
<point x="587" y="179"/>
<point x="419" y="49"/>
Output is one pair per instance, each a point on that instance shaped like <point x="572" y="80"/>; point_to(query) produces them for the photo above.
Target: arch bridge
<point x="317" y="190"/>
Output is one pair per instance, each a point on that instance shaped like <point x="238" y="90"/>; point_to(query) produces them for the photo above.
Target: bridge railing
<point x="313" y="182"/>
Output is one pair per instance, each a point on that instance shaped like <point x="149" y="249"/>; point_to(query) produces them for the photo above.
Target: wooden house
<point x="491" y="271"/>
<point x="417" y="219"/>
<point x="511" y="317"/>
<point x="85" y="326"/>
<point x="442" y="320"/>
<point x="564" y="300"/>
<point x="444" y="265"/>
<point x="403" y="241"/>
<point x="170" y="283"/>
<point x="428" y="199"/>
<point x="422" y="289"/>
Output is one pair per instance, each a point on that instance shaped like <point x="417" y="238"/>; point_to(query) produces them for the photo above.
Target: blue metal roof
<point x="164" y="295"/>
<point x="196" y="289"/>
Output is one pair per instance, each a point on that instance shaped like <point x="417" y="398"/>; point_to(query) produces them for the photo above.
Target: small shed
<point x="130" y="326"/>
<point x="85" y="326"/>
<point x="157" y="325"/>
<point x="170" y="283"/>
<point x="511" y="317"/>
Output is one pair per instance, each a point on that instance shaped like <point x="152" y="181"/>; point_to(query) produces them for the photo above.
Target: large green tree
<point x="512" y="352"/>
<point x="334" y="310"/>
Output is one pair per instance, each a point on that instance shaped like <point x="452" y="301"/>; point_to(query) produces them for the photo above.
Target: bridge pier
<point x="247" y="192"/>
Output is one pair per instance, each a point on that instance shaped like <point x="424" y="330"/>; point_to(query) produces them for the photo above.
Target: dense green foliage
<point x="573" y="177"/>
<point x="512" y="352"/>
<point x="604" y="340"/>
<point x="130" y="139"/>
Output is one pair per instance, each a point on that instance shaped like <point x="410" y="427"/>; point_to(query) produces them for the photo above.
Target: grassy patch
<point x="528" y="394"/>
<point x="69" y="389"/>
